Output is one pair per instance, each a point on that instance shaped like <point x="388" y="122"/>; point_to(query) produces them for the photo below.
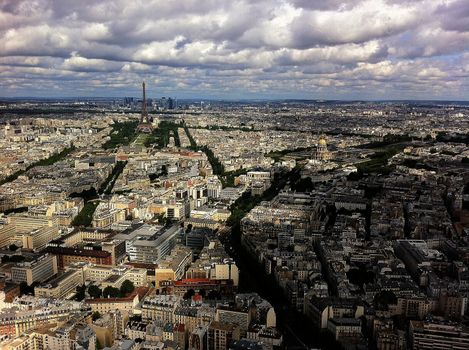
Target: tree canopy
<point x="126" y="287"/>
<point x="111" y="292"/>
<point x="95" y="291"/>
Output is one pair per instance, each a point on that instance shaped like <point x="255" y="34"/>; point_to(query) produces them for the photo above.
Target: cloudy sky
<point x="331" y="49"/>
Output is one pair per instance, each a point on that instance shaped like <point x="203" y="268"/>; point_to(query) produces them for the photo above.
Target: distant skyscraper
<point x="167" y="103"/>
<point x="171" y="103"/>
<point x="129" y="101"/>
<point x="163" y="103"/>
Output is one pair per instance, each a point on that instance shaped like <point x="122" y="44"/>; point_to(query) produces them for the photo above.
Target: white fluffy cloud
<point x="236" y="48"/>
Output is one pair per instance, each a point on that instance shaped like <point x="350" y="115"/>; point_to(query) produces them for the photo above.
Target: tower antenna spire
<point x="144" y="107"/>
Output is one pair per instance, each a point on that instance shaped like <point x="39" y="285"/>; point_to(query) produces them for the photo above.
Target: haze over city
<point x="331" y="49"/>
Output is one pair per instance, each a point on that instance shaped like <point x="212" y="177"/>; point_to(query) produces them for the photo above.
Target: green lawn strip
<point x="277" y="155"/>
<point x="160" y="136"/>
<point x="122" y="135"/>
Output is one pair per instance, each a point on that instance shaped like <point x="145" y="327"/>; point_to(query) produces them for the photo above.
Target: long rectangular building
<point x="436" y="335"/>
<point x="35" y="271"/>
<point x="67" y="256"/>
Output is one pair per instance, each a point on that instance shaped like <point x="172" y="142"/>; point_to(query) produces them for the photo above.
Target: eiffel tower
<point x="144" y="126"/>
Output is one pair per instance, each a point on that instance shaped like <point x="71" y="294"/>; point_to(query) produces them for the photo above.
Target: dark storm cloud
<point x="236" y="48"/>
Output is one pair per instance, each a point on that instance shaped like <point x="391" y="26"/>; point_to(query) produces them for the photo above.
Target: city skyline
<point x="234" y="174"/>
<point x="367" y="50"/>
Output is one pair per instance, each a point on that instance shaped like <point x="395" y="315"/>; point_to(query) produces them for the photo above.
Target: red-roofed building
<point x="67" y="255"/>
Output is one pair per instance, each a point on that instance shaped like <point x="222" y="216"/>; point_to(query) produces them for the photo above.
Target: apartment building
<point x="220" y="335"/>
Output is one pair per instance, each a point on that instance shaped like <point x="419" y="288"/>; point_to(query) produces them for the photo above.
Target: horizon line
<point x="235" y="99"/>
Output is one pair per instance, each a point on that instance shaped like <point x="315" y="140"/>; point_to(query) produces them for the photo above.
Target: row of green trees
<point x="126" y="288"/>
<point x="191" y="139"/>
<point x="107" y="186"/>
<point x="217" y="166"/>
<point x="227" y="178"/>
<point x="43" y="162"/>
